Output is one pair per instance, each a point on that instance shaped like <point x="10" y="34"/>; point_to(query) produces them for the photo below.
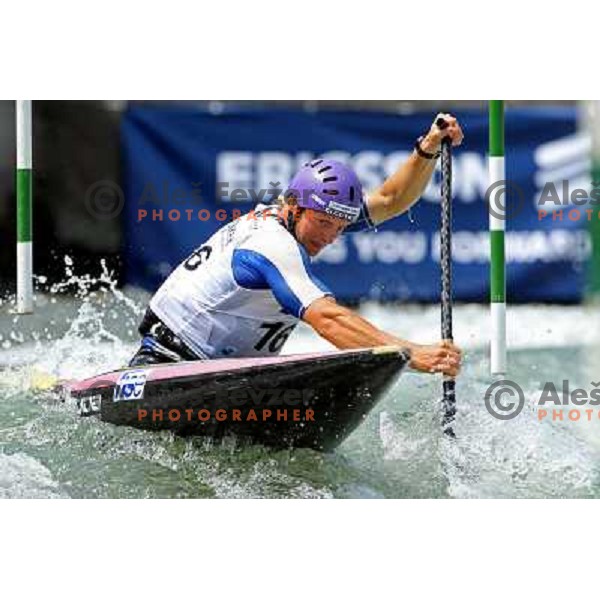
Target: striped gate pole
<point x="594" y="225"/>
<point x="24" y="230"/>
<point x="497" y="174"/>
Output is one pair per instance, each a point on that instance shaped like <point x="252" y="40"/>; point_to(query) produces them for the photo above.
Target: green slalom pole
<point x="593" y="279"/>
<point x="497" y="172"/>
<point x="24" y="193"/>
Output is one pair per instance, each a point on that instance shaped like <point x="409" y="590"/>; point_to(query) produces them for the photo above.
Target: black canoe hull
<point x="312" y="401"/>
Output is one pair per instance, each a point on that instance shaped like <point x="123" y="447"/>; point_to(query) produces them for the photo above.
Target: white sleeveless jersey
<point x="242" y="292"/>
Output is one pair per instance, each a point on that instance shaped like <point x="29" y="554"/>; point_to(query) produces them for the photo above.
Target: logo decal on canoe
<point x="89" y="405"/>
<point x="130" y="386"/>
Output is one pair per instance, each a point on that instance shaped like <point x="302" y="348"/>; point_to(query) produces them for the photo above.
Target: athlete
<point x="244" y="290"/>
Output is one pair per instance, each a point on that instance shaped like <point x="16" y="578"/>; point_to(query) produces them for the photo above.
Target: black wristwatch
<point x="422" y="152"/>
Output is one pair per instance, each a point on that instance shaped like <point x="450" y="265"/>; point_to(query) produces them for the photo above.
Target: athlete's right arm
<point x="346" y="329"/>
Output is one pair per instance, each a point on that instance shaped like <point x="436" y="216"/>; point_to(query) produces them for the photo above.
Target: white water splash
<point x="96" y="334"/>
<point x="21" y="476"/>
<point x="402" y="454"/>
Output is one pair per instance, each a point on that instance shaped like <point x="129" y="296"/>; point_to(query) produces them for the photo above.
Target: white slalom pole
<point x="24" y="229"/>
<point x="497" y="227"/>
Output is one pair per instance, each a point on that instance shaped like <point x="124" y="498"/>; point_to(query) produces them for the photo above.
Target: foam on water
<point x="46" y="450"/>
<point x="22" y="476"/>
<point x="517" y="458"/>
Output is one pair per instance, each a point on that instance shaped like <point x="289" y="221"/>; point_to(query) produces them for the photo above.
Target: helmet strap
<point x="289" y="222"/>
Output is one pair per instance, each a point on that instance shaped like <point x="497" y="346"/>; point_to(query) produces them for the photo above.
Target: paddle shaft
<point x="449" y="398"/>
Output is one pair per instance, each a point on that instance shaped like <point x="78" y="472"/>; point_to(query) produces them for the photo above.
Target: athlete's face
<point x="315" y="230"/>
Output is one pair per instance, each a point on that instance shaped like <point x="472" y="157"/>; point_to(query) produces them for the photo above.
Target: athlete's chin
<point x="314" y="249"/>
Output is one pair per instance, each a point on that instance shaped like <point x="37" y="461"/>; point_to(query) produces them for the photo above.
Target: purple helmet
<point x="328" y="186"/>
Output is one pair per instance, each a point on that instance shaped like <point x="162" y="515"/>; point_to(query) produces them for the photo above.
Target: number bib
<point x="242" y="292"/>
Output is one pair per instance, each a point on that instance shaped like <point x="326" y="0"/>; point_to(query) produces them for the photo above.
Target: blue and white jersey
<point x="242" y="292"/>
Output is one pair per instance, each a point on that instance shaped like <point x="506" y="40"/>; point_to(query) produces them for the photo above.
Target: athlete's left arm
<point x="402" y="189"/>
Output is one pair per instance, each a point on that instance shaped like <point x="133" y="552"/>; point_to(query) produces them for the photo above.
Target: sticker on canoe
<point x="89" y="405"/>
<point x="130" y="386"/>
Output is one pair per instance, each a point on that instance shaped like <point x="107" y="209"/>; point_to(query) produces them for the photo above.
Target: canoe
<point x="301" y="400"/>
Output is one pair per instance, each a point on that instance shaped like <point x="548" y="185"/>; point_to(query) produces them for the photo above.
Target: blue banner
<point x="186" y="172"/>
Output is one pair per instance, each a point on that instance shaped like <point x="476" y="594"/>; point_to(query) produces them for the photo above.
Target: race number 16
<point x="197" y="258"/>
<point x="276" y="336"/>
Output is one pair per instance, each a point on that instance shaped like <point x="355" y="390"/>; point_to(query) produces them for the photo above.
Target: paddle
<point x="449" y="398"/>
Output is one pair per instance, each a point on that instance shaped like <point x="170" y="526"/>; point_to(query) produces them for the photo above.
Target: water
<point x="47" y="451"/>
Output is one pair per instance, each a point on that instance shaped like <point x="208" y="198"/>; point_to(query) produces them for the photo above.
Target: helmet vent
<point x="328" y="179"/>
<point x="316" y="163"/>
<point x="324" y="169"/>
<point x="331" y="192"/>
<point x="351" y="193"/>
